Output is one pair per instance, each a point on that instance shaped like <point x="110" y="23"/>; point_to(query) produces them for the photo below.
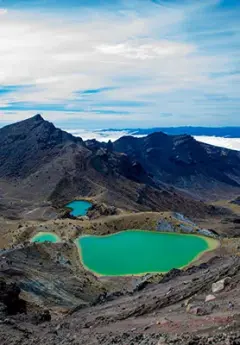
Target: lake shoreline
<point x="212" y="243"/>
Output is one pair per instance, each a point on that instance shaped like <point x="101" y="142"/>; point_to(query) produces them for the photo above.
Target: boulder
<point x="210" y="298"/>
<point x="196" y="310"/>
<point x="220" y="285"/>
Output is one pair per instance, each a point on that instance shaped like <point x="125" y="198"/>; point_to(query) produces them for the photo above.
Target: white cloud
<point x="149" y="53"/>
<point x="103" y="136"/>
<point x="229" y="143"/>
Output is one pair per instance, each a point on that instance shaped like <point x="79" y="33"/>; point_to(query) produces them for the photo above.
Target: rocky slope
<point x="50" y="275"/>
<point x="27" y="145"/>
<point x="187" y="307"/>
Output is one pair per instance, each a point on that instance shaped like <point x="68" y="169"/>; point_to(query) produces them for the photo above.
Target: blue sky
<point x="138" y="63"/>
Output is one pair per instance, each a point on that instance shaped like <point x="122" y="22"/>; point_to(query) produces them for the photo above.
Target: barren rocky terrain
<point x="179" y="309"/>
<point x="160" y="183"/>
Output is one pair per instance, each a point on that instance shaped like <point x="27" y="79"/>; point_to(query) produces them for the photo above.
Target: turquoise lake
<point x="79" y="207"/>
<point x="134" y="252"/>
<point x="46" y="237"/>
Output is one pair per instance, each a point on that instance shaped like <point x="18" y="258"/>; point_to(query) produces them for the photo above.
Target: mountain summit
<point x="24" y="146"/>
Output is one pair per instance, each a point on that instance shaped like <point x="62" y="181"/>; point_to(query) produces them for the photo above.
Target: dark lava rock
<point x="171" y="275"/>
<point x="106" y="297"/>
<point x="9" y="296"/>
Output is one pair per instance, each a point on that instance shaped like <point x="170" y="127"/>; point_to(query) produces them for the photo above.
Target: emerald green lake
<point x="46" y="237"/>
<point x="136" y="252"/>
<point x="79" y="207"/>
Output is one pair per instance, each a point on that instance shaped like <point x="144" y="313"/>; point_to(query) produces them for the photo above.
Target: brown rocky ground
<point x="172" y="311"/>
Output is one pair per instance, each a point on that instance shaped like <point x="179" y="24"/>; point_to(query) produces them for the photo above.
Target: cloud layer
<point x="138" y="63"/>
<point x="105" y="136"/>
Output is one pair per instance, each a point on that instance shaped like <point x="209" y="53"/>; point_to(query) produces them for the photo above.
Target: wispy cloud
<point x="94" y="91"/>
<point x="138" y="51"/>
<point x="137" y="60"/>
<point x="9" y="88"/>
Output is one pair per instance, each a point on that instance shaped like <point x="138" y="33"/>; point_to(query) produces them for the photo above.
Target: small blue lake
<point x="46" y="237"/>
<point x="79" y="207"/>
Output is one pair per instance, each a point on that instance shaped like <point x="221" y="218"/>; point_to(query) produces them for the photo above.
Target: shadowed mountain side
<point x="27" y="145"/>
<point x="205" y="170"/>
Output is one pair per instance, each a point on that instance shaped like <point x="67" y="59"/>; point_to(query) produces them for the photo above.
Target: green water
<point x="136" y="252"/>
<point x="79" y="207"/>
<point x="45" y="237"/>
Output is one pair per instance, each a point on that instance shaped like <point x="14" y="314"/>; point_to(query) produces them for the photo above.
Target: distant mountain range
<point x="39" y="162"/>
<point x="225" y="132"/>
<point x="221" y="137"/>
<point x="183" y="162"/>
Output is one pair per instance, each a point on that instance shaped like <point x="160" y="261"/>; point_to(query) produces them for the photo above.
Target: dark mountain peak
<point x="157" y="139"/>
<point x="37" y="118"/>
<point x="158" y="135"/>
<point x="35" y="128"/>
<point x="24" y="144"/>
<point x="126" y="138"/>
<point x="184" y="139"/>
<point x="33" y="121"/>
<point x="24" y="126"/>
<point x="184" y="136"/>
